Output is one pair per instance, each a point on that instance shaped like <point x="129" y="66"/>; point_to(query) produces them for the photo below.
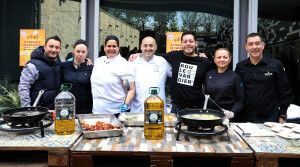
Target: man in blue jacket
<point x="42" y="72"/>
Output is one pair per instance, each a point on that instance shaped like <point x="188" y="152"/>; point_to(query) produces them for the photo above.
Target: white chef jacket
<point x="149" y="74"/>
<point x="106" y="80"/>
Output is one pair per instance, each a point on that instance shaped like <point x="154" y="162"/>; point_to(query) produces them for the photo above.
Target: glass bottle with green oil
<point x="154" y="116"/>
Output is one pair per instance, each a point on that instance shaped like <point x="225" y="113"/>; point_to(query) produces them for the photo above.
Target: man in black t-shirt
<point x="188" y="74"/>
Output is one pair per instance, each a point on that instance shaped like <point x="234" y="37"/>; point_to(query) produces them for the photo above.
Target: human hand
<point x="202" y="55"/>
<point x="88" y="61"/>
<point x="133" y="57"/>
<point x="282" y="120"/>
<point x="228" y="114"/>
<point x="124" y="107"/>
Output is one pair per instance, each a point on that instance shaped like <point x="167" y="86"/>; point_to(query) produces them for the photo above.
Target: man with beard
<point x="150" y="71"/>
<point x="265" y="82"/>
<point x="42" y="72"/>
<point x="188" y="74"/>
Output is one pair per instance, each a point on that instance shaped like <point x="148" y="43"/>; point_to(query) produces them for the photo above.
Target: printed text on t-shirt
<point x="186" y="74"/>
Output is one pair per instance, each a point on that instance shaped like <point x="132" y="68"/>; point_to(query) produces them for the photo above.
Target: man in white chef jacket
<point x="150" y="71"/>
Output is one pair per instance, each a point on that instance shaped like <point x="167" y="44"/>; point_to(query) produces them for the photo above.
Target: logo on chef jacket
<point x="186" y="74"/>
<point x="156" y="68"/>
<point x="268" y="74"/>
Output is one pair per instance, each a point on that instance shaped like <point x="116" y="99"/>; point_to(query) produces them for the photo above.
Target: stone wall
<point x="63" y="19"/>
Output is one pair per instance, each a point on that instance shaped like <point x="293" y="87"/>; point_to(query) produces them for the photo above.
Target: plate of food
<point x="272" y="124"/>
<point x="281" y="129"/>
<point x="289" y="135"/>
<point x="137" y="119"/>
<point x="296" y="129"/>
<point x="290" y="125"/>
<point x="100" y="125"/>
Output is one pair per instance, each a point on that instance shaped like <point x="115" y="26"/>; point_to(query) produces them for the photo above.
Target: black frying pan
<point x="23" y="115"/>
<point x="31" y="115"/>
<point x="184" y="117"/>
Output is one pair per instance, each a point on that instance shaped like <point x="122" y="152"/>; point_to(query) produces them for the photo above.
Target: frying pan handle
<point x="41" y="92"/>
<point x="206" y="101"/>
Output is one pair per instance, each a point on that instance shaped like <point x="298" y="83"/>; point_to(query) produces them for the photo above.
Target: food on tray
<point x="99" y="125"/>
<point x="140" y="117"/>
<point x="201" y="116"/>
<point x="134" y="118"/>
<point x="168" y="118"/>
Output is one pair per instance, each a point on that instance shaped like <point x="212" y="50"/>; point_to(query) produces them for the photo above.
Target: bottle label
<point x="64" y="112"/>
<point x="153" y="117"/>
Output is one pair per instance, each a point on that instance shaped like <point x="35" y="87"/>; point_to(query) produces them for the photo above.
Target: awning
<point x="271" y="9"/>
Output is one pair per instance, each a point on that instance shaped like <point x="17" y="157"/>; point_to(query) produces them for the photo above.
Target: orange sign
<point x="29" y="40"/>
<point x="173" y="41"/>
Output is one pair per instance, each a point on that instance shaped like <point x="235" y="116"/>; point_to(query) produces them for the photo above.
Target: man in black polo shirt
<point x="265" y="82"/>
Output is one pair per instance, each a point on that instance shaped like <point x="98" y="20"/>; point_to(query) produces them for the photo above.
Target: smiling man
<point x="265" y="82"/>
<point x="188" y="74"/>
<point x="42" y="72"/>
<point x="150" y="71"/>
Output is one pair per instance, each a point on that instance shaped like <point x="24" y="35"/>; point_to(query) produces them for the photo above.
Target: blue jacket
<point x="49" y="78"/>
<point x="81" y="85"/>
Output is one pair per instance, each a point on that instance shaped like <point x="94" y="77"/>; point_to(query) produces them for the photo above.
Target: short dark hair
<point x="80" y="41"/>
<point x="111" y="37"/>
<point x="55" y="37"/>
<point x="189" y="33"/>
<point x="226" y="49"/>
<point x="255" y="34"/>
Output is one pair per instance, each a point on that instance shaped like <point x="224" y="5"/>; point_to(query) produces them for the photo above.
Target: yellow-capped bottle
<point x="65" y="112"/>
<point x="154" y="128"/>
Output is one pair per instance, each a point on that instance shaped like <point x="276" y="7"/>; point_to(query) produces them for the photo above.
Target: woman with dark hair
<point x="78" y="73"/>
<point x="224" y="86"/>
<point x="110" y="75"/>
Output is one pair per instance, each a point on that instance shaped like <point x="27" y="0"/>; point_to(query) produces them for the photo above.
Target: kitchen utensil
<point x="41" y="92"/>
<point x="183" y="116"/>
<point x="26" y="115"/>
<point x="205" y="101"/>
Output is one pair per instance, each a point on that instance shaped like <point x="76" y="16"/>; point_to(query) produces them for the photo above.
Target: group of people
<point x="258" y="90"/>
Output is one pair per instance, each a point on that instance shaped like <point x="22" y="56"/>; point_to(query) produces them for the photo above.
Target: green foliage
<point x="9" y="96"/>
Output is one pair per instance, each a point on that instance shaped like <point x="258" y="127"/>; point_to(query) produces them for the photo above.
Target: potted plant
<point x="9" y="98"/>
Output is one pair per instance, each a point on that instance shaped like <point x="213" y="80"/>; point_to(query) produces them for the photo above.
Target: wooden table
<point x="29" y="149"/>
<point x="269" y="151"/>
<point x="133" y="150"/>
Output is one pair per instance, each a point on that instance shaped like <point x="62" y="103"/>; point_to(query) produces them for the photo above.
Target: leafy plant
<point x="9" y="96"/>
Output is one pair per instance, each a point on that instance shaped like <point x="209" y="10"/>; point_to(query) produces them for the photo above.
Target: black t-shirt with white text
<point x="188" y="75"/>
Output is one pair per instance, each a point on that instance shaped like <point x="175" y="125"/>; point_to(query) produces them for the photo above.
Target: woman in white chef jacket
<point x="109" y="73"/>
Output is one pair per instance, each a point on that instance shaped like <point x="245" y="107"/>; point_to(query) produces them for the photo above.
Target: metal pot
<point x="184" y="117"/>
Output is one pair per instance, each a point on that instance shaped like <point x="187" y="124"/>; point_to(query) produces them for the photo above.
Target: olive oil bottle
<point x="154" y="116"/>
<point x="65" y="112"/>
